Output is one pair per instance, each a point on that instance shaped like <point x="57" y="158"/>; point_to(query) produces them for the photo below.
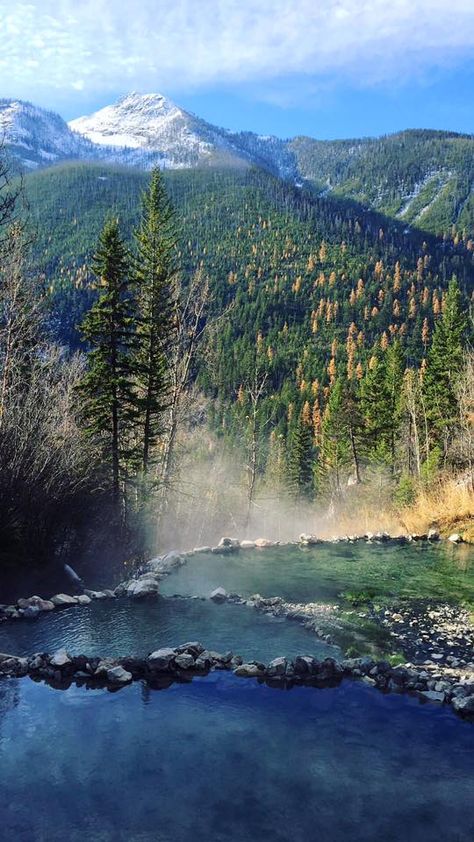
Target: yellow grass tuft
<point x="447" y="505"/>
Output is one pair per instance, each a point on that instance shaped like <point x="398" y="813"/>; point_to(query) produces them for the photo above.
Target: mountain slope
<point x="425" y="178"/>
<point x="37" y="138"/>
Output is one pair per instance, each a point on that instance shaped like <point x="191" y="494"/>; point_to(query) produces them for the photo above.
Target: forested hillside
<point x="425" y="178"/>
<point x="313" y="290"/>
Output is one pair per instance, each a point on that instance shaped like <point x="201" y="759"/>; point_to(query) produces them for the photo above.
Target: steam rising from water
<point x="210" y="500"/>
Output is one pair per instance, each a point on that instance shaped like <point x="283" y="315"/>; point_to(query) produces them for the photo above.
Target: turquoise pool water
<point x="122" y="627"/>
<point x="227" y="759"/>
<point x="321" y="573"/>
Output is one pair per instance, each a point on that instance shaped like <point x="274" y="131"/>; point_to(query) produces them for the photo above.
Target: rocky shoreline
<point x="166" y="666"/>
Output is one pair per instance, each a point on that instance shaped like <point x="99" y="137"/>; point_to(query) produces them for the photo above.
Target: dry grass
<point x="448" y="505"/>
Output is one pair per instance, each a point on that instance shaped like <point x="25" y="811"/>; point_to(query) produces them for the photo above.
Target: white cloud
<point x="110" y="45"/>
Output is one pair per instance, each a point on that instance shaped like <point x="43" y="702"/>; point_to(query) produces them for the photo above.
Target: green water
<point x="324" y="572"/>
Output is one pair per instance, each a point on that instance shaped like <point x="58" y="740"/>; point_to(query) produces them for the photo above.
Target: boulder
<point x="193" y="648"/>
<point x="142" y="589"/>
<point x="455" y="538"/>
<point x="247" y="545"/>
<point x="32" y="612"/>
<point x="234" y="543"/>
<point x="249" y="670"/>
<point x="184" y="661"/>
<point x="309" y="540"/>
<point x="12" y="665"/>
<point x="277" y="667"/>
<point x="118" y="676"/>
<point x="60" y="659"/>
<point x="432" y="696"/>
<point x="161" y="658"/>
<point x="218" y="595"/>
<point x="63" y="600"/>
<point x="265" y="542"/>
<point x="304" y="665"/>
<point x="433" y="535"/>
<point x="464" y="705"/>
<point x="36" y="602"/>
<point x="83" y="599"/>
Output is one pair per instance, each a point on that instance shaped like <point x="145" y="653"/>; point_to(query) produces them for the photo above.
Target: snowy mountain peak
<point x="135" y="121"/>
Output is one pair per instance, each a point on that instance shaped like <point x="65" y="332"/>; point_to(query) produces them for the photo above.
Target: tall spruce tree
<point x="300" y="458"/>
<point x="336" y="452"/>
<point x="108" y="328"/>
<point x="155" y="277"/>
<point x="443" y="369"/>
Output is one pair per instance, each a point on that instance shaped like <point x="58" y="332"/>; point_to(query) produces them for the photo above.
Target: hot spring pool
<point x="227" y="759"/>
<point x="322" y="573"/>
<point x="122" y="627"/>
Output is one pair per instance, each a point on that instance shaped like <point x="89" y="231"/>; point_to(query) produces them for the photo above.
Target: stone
<point x="32" y="612"/>
<point x="464" y="705"/>
<point x="218" y="595"/>
<point x="249" y="671"/>
<point x="261" y="543"/>
<point x="193" y="648"/>
<point x="234" y="543"/>
<point x="119" y="676"/>
<point x="63" y="600"/>
<point x="277" y="667"/>
<point x="432" y="696"/>
<point x="12" y="665"/>
<point x="184" y="661"/>
<point x="433" y="535"/>
<point x="247" y="545"/>
<point x="309" y="540"/>
<point x="455" y="538"/>
<point x="144" y="589"/>
<point x="36" y="602"/>
<point x="60" y="659"/>
<point x="173" y="559"/>
<point x="161" y="658"/>
<point x="83" y="599"/>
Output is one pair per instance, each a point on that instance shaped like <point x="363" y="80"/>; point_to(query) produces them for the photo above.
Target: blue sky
<point x="327" y="68"/>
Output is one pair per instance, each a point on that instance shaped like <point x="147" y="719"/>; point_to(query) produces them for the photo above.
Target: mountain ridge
<point x="425" y="178"/>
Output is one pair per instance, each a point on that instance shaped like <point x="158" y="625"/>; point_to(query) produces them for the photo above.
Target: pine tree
<point x="155" y="279"/>
<point x="300" y="457"/>
<point x="335" y="451"/>
<point x="108" y="328"/>
<point x="443" y="368"/>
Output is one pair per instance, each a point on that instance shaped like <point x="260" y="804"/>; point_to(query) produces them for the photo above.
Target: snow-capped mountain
<point x="148" y="123"/>
<point x="140" y="130"/>
<point x="149" y="128"/>
<point x="36" y="137"/>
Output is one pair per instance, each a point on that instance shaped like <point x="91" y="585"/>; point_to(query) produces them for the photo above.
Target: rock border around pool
<point x="167" y="665"/>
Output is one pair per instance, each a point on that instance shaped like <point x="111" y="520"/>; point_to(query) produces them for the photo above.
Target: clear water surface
<point x="225" y="759"/>
<point x="123" y="627"/>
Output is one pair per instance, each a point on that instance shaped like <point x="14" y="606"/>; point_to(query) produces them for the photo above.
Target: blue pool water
<point x="122" y="627"/>
<point x="228" y="759"/>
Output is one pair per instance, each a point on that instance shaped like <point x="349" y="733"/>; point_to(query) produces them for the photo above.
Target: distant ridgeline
<point x="319" y="285"/>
